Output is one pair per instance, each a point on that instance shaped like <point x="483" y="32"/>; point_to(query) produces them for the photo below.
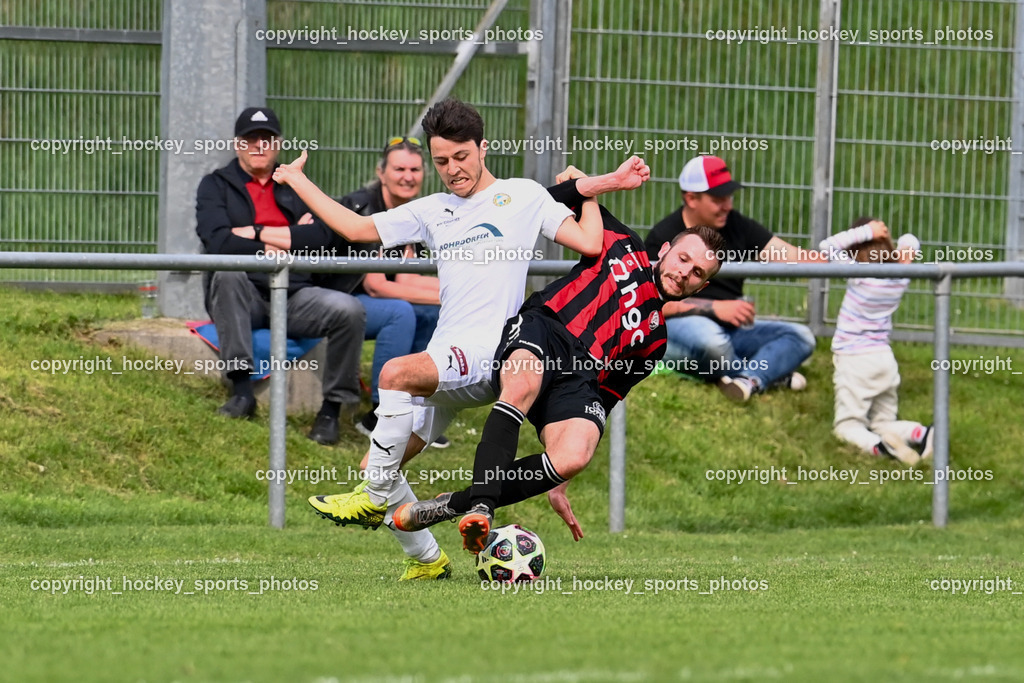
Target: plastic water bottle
<point x="147" y="293"/>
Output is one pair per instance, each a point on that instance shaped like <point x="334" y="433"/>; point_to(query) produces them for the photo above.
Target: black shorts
<point x="569" y="387"/>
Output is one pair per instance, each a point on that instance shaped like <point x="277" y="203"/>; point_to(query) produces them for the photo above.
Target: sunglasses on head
<point x="395" y="141"/>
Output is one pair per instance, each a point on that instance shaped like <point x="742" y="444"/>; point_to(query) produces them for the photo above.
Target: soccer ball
<point x="511" y="553"/>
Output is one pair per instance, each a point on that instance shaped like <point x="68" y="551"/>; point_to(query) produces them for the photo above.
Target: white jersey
<point x="483" y="246"/>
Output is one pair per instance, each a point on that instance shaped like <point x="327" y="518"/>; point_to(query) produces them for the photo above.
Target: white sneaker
<point x="736" y="389"/>
<point x="927" y="447"/>
<point x="797" y="382"/>
<point x="900" y="449"/>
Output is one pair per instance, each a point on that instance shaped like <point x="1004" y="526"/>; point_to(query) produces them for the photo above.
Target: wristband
<point x="257" y="229"/>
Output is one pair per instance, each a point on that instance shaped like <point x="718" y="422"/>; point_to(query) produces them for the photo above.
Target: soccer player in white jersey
<point x="483" y="235"/>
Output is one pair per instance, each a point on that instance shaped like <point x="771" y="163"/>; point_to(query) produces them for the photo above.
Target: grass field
<point x="123" y="480"/>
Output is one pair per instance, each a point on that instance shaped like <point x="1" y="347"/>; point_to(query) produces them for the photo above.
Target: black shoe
<point x="325" y="430"/>
<point x="441" y="442"/>
<point x="367" y="423"/>
<point x="239" y="406"/>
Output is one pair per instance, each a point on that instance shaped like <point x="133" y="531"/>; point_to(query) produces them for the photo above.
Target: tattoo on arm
<point x="701" y="306"/>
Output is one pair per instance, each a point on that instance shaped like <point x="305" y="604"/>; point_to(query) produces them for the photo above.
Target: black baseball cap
<point x="257" y="118"/>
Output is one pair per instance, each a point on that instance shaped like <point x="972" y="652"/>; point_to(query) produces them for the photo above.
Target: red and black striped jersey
<point x="611" y="304"/>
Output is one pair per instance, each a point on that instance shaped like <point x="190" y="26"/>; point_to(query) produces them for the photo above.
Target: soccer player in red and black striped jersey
<point x="575" y="349"/>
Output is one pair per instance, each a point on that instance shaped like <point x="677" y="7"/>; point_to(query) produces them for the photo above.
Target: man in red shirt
<point x="243" y="195"/>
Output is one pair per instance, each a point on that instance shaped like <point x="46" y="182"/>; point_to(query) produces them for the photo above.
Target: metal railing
<point x="941" y="274"/>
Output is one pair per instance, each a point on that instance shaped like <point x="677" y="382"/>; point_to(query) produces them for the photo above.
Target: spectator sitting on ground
<point x="715" y="336"/>
<point x="233" y="204"/>
<point x="867" y="376"/>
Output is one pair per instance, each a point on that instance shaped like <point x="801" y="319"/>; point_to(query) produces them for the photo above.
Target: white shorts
<point x="464" y="381"/>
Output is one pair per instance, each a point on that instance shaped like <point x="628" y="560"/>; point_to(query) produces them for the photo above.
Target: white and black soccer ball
<point x="511" y="553"/>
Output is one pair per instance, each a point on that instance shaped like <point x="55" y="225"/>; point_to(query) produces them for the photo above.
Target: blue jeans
<point x="399" y="327"/>
<point x="764" y="353"/>
<point x="426" y="321"/>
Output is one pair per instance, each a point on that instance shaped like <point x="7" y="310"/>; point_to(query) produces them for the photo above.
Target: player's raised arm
<point x="586" y="236"/>
<point x="348" y="224"/>
<point x="631" y="174"/>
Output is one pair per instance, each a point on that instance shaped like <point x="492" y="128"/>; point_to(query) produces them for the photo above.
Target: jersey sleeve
<point x="401" y="225"/>
<point x="566" y="193"/>
<point x="550" y="213"/>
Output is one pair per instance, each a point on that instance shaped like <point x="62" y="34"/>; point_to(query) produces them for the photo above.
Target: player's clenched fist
<point x="632" y="173"/>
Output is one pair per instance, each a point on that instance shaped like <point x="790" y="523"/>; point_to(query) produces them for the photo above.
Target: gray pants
<point x="236" y="306"/>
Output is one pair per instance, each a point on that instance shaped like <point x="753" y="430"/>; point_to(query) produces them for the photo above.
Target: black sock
<point x="241" y="383"/>
<point x="330" y="408"/>
<point x="462" y="500"/>
<point x="369" y="420"/>
<point x="496" y="452"/>
<point x="529" y="477"/>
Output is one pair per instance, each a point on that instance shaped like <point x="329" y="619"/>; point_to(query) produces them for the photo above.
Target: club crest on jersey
<point x="655" y="321"/>
<point x="457" y="360"/>
<point x="502" y="199"/>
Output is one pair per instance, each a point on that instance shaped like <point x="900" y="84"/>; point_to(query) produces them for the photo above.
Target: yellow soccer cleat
<point x="441" y="568"/>
<point x="350" y="508"/>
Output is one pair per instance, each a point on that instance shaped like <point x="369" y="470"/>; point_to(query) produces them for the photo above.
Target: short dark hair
<point x="453" y="120"/>
<point x="712" y="239"/>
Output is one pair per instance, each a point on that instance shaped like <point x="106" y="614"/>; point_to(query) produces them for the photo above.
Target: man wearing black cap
<point x="243" y="194"/>
<point x="715" y="337"/>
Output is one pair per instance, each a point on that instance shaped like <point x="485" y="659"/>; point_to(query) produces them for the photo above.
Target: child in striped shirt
<point x="866" y="374"/>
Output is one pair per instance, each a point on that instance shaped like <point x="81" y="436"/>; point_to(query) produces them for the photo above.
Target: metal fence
<point x="355" y="89"/>
<point x="822" y="132"/>
<point x="78" y="80"/>
<point x="819" y="131"/>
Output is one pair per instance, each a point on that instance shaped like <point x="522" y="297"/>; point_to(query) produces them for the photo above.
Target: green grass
<point x="847" y="604"/>
<point x="133" y="476"/>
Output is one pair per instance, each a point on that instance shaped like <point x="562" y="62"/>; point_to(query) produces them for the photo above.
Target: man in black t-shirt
<point x="715" y="337"/>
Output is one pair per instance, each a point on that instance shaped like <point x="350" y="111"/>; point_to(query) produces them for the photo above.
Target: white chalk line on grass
<point x="564" y="676"/>
<point x="90" y="562"/>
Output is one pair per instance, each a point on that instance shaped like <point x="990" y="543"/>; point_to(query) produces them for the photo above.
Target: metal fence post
<point x="206" y="80"/>
<point x="1014" y="287"/>
<point x="547" y="86"/>
<point x="617" y="470"/>
<point x="278" y="391"/>
<point x="940" y="418"/>
<point x="824" y="156"/>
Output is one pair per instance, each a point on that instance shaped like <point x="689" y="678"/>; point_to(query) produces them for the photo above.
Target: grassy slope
<point x="140" y="479"/>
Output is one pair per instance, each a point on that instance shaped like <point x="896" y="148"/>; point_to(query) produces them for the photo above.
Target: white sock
<point x="387" y="443"/>
<point x="419" y="545"/>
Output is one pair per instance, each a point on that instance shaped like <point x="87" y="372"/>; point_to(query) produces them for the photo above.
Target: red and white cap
<point x="707" y="174"/>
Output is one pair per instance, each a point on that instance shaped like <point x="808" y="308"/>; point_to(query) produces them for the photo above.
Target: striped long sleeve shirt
<point x="865" y="316"/>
